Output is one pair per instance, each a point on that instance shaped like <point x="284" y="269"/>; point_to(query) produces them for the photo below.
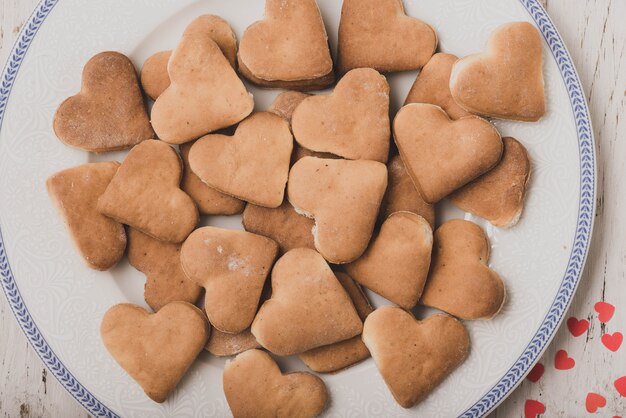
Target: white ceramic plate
<point x="59" y="303"/>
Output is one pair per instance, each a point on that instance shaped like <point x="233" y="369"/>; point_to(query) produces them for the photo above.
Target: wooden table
<point x="595" y="34"/>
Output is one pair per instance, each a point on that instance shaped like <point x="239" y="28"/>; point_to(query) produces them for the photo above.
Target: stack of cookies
<point x="329" y="205"/>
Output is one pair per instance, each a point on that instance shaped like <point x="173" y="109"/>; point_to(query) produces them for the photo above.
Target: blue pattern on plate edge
<point x="531" y="353"/>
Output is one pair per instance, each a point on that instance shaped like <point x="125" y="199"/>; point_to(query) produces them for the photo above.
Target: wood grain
<point x="595" y="34"/>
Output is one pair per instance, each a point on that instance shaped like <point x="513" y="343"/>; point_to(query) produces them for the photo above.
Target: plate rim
<point x="537" y="345"/>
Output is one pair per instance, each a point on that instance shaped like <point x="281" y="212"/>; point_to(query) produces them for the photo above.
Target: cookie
<point x="251" y="165"/>
<point x="205" y="93"/>
<point x="285" y="103"/>
<point x="309" y="308"/>
<point x="108" y="113"/>
<point x="160" y="261"/>
<point x="282" y="224"/>
<point x="460" y="281"/>
<point x="401" y="194"/>
<point x="154" y="76"/>
<point x="442" y="155"/>
<point x="395" y="265"/>
<point x="255" y="388"/>
<point x="378" y="34"/>
<point x="413" y="356"/>
<point x="232" y="267"/>
<point x="432" y="86"/>
<point x="505" y="81"/>
<point x="343" y="197"/>
<point x="208" y="200"/>
<point x="75" y="191"/>
<point x="223" y="344"/>
<point x="352" y="122"/>
<point x="498" y="195"/>
<point x="288" y="48"/>
<point x="337" y="356"/>
<point x="145" y="194"/>
<point x="155" y="349"/>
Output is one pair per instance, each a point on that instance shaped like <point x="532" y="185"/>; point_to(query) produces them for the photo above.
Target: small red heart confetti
<point x="612" y="341"/>
<point x="594" y="402"/>
<point x="536" y="373"/>
<point x="533" y="408"/>
<point x="605" y="311"/>
<point x="620" y="385"/>
<point x="577" y="326"/>
<point x="562" y="361"/>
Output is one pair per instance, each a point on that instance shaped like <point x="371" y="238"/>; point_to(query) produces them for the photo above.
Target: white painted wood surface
<point x="595" y="34"/>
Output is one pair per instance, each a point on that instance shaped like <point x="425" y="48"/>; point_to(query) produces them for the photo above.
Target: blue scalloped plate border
<point x="533" y="350"/>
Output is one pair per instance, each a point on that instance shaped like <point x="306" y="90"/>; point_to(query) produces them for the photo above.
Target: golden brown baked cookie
<point x="442" y="155"/>
<point x="223" y="344"/>
<point x="205" y="93"/>
<point x="155" y="349"/>
<point x="154" y="77"/>
<point x="252" y="165"/>
<point x="144" y="194"/>
<point x="378" y="34"/>
<point x="352" y="122"/>
<point x="160" y="261"/>
<point x="498" y="195"/>
<point x="505" y="81"/>
<point x="208" y="200"/>
<point x="232" y="267"/>
<point x="75" y="191"/>
<point x="343" y="197"/>
<point x="108" y="113"/>
<point x="413" y="356"/>
<point x="401" y="194"/>
<point x="309" y="308"/>
<point x="255" y="388"/>
<point x="285" y="103"/>
<point x="337" y="356"/>
<point x="288" y="48"/>
<point x="395" y="265"/>
<point x="432" y="85"/>
<point x="282" y="224"/>
<point x="460" y="282"/>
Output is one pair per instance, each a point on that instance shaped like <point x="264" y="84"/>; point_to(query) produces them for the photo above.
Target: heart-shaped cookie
<point x="442" y="155"/>
<point x="498" y="195"/>
<point x="460" y="282"/>
<point x="160" y="261"/>
<point x="378" y="34"/>
<point x="432" y="86"/>
<point x="352" y="122"/>
<point x="288" y="48"/>
<point x="223" y="344"/>
<point x="252" y="165"/>
<point x="108" y="113"/>
<point x="154" y="76"/>
<point x="338" y="356"/>
<point x="155" y="349"/>
<point x="100" y="240"/>
<point x="255" y="388"/>
<point x="205" y="93"/>
<point x="395" y="265"/>
<point x="232" y="267"/>
<point x="309" y="308"/>
<point x="285" y="103"/>
<point x="506" y="81"/>
<point x="412" y="356"/>
<point x="208" y="200"/>
<point x="343" y="197"/>
<point x="401" y="194"/>
<point x="144" y="194"/>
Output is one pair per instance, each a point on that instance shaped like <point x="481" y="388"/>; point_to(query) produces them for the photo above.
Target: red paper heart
<point x="605" y="311"/>
<point x="562" y="361"/>
<point x="594" y="402"/>
<point x="577" y="326"/>
<point x="536" y="373"/>
<point x="620" y="385"/>
<point x="533" y="408"/>
<point x="613" y="341"/>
